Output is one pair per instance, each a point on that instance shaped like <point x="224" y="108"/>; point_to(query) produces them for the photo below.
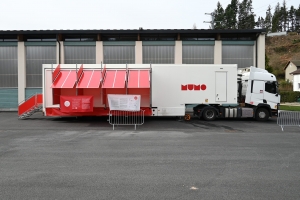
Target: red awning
<point x="114" y="79"/>
<point x="90" y="79"/>
<point x="65" y="79"/>
<point x="139" y="79"/>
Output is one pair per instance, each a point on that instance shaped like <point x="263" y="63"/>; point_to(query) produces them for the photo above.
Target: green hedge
<point x="289" y="96"/>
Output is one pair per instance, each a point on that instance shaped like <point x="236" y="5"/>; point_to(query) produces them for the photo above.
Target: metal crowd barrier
<point x="122" y="117"/>
<point x="288" y="118"/>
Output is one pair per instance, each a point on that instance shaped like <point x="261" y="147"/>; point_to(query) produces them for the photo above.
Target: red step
<point x="30" y="103"/>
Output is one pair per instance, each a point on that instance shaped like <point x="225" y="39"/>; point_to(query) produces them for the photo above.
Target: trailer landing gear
<point x="187" y="117"/>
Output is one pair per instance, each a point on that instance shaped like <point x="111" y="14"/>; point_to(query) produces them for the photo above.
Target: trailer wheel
<point x="209" y="114"/>
<point x="187" y="117"/>
<point x="262" y="114"/>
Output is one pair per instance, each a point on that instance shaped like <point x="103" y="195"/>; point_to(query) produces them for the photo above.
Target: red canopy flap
<point x="65" y="79"/>
<point x="139" y="79"/>
<point x="114" y="79"/>
<point x="90" y="79"/>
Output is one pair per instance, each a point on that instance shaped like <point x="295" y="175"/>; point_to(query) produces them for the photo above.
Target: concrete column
<point x="178" y="52"/>
<point x="99" y="52"/>
<point x="218" y="52"/>
<point x="261" y="51"/>
<point x="62" y="53"/>
<point x="21" y="71"/>
<point x="138" y="52"/>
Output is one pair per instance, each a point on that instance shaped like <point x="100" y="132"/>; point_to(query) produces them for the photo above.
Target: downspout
<point x="58" y="49"/>
<point x="256" y="62"/>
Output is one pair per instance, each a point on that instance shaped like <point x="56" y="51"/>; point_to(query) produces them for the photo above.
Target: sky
<point x="115" y="14"/>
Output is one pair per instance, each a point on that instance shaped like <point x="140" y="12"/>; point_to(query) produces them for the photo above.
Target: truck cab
<point x="260" y="91"/>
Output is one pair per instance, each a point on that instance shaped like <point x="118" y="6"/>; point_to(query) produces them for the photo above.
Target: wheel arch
<point x="262" y="105"/>
<point x="208" y="107"/>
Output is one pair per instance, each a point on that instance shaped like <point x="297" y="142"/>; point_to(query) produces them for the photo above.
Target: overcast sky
<point x="115" y="14"/>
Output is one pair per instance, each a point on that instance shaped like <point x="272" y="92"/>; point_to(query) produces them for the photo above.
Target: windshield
<point x="271" y="87"/>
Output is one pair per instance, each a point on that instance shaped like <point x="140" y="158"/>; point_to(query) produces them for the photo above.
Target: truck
<point x="212" y="90"/>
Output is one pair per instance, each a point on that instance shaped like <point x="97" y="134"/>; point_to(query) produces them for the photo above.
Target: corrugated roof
<point x="122" y="31"/>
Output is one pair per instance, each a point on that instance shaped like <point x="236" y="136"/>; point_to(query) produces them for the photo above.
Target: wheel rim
<point x="261" y="115"/>
<point x="209" y="114"/>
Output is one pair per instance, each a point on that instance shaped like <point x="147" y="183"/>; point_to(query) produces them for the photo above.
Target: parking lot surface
<point x="166" y="158"/>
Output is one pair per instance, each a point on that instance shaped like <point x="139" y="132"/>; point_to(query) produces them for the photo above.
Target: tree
<point x="230" y="15"/>
<point x="297" y="21"/>
<point x="276" y="26"/>
<point x="267" y="65"/>
<point x="284" y="16"/>
<point x="246" y="16"/>
<point x="292" y="19"/>
<point x="268" y="20"/>
<point x="219" y="17"/>
<point x="260" y="22"/>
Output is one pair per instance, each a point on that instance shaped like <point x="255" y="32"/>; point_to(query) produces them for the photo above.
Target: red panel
<point x="76" y="103"/>
<point x="79" y="72"/>
<point x="65" y="79"/>
<point x="55" y="73"/>
<point x="144" y="79"/>
<point x="84" y="79"/>
<point x="30" y="103"/>
<point x="95" y="79"/>
<point x="139" y="79"/>
<point x="96" y="112"/>
<point x="133" y="79"/>
<point x="114" y="79"/>
<point x="90" y="79"/>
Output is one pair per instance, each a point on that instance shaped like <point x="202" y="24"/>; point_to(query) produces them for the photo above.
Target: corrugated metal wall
<point x="32" y="91"/>
<point x="158" y="54"/>
<point x="80" y="54"/>
<point x="195" y="54"/>
<point x="36" y="56"/>
<point x="8" y="98"/>
<point x="8" y="66"/>
<point x="119" y="54"/>
<point x="241" y="55"/>
<point x="9" y="77"/>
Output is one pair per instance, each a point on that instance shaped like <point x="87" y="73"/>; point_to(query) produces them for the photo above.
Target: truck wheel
<point x="209" y="114"/>
<point x="262" y="114"/>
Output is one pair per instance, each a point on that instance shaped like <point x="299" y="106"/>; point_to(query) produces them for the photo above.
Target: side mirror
<point x="276" y="94"/>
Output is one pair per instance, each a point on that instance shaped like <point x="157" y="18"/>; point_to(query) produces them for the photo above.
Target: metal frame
<point x="288" y="118"/>
<point x="125" y="117"/>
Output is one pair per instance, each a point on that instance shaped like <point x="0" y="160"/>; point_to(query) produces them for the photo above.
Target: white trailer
<point x="214" y="91"/>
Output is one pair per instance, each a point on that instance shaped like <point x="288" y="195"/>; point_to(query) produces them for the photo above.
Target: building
<point x="290" y="67"/>
<point x="23" y="52"/>
<point x="296" y="80"/>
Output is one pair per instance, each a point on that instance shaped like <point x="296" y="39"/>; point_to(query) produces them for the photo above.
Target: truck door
<point x="258" y="89"/>
<point x="221" y="86"/>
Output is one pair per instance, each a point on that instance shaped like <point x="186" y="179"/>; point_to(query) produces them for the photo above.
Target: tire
<point x="262" y="114"/>
<point x="209" y="114"/>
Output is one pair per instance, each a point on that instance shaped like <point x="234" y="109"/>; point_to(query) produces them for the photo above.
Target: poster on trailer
<point x="124" y="102"/>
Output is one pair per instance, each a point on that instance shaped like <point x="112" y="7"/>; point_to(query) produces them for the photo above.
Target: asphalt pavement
<point x="166" y="158"/>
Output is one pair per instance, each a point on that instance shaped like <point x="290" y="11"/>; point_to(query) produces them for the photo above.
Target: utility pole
<point x="212" y="22"/>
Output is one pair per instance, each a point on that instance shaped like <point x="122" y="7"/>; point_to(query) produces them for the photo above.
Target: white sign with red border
<point x="124" y="102"/>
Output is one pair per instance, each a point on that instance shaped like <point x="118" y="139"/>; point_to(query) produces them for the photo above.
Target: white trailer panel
<point x="174" y="86"/>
